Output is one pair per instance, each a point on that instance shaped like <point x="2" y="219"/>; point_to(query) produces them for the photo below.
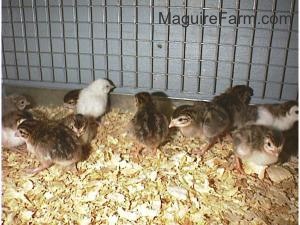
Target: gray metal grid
<point x="69" y="43"/>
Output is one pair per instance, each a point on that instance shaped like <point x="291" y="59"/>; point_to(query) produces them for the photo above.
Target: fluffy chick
<point x="93" y="99"/>
<point x="14" y="102"/>
<point x="84" y="127"/>
<point x="148" y="127"/>
<point x="71" y="98"/>
<point x="257" y="144"/>
<point x="235" y="101"/>
<point x="9" y="128"/>
<point x="203" y="119"/>
<point x="279" y="116"/>
<point x="51" y="143"/>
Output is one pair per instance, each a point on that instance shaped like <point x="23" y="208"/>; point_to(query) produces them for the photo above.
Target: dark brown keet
<point x="234" y="101"/>
<point x="243" y="92"/>
<point x="291" y="144"/>
<point x="203" y="119"/>
<point x="51" y="143"/>
<point x="70" y="99"/>
<point x="84" y="127"/>
<point x="148" y="127"/>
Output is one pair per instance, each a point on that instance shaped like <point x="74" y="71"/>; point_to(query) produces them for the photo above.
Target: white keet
<point x="92" y="100"/>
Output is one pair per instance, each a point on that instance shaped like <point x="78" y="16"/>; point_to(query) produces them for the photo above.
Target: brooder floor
<point x="172" y="188"/>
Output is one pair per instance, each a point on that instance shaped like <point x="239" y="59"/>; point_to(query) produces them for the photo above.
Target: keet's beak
<point x="112" y="86"/>
<point x="17" y="134"/>
<point x="171" y="124"/>
<point x="274" y="153"/>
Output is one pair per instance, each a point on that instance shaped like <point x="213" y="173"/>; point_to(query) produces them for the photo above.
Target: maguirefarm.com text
<point x="203" y="18"/>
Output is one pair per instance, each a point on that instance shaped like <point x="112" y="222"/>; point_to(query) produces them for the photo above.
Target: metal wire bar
<point x="136" y="44"/>
<point x="142" y="23"/>
<point x="211" y="76"/>
<point x="25" y="35"/>
<point x="92" y="37"/>
<point x="168" y="54"/>
<point x="293" y="2"/>
<point x="120" y="19"/>
<point x="166" y="41"/>
<point x="152" y="46"/>
<point x="274" y="5"/>
<point x="78" y="45"/>
<point x="220" y="4"/>
<point x="50" y="34"/>
<point x="14" y="40"/>
<point x="178" y="7"/>
<point x="4" y="61"/>
<point x="252" y="39"/>
<point x="201" y="51"/>
<point x="176" y="58"/>
<point x="237" y="3"/>
<point x="106" y="37"/>
<point x="38" y="39"/>
<point x="184" y="50"/>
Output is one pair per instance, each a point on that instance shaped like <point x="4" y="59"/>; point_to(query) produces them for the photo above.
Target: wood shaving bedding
<point x="174" y="187"/>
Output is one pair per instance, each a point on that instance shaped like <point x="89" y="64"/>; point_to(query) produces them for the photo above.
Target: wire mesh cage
<point x="69" y="43"/>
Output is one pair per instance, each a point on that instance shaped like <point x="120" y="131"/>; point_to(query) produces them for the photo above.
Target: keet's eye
<point x="296" y="112"/>
<point x="269" y="144"/>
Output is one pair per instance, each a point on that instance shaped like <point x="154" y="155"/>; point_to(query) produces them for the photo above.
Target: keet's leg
<point x="42" y="167"/>
<point x="238" y="164"/>
<point x="201" y="151"/>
